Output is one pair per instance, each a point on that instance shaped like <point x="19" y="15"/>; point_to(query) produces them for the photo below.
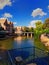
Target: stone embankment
<point x="44" y="39"/>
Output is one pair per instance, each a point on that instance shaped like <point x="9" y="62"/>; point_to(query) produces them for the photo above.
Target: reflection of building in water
<point x="8" y="26"/>
<point x="18" y="39"/>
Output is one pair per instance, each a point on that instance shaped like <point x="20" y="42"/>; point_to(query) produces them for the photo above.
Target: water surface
<point x="21" y="46"/>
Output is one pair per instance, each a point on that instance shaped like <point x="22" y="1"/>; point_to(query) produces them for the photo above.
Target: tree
<point x="46" y="24"/>
<point x="38" y="30"/>
<point x="26" y="29"/>
<point x="39" y="25"/>
<point x="31" y="29"/>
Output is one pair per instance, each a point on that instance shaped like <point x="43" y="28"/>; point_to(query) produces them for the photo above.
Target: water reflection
<point x="22" y="46"/>
<point x="17" y="42"/>
<point x="21" y="42"/>
<point x="18" y="39"/>
<point x="6" y="44"/>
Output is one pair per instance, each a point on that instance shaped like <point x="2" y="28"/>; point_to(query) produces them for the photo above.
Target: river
<point x="20" y="47"/>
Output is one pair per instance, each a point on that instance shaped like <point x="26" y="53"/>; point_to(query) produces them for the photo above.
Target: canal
<point x="26" y="49"/>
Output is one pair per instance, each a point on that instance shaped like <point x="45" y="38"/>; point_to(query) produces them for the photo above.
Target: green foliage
<point x="38" y="30"/>
<point x="31" y="29"/>
<point x="41" y="28"/>
<point x="39" y="25"/>
<point x="27" y="29"/>
<point x="46" y="30"/>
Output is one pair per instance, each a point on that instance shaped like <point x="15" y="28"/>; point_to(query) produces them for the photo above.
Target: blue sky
<point x="24" y="12"/>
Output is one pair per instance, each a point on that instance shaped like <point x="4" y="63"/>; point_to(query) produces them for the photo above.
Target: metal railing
<point x="33" y="54"/>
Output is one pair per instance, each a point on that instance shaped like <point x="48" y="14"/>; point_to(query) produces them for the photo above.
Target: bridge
<point x="19" y="33"/>
<point x="25" y="33"/>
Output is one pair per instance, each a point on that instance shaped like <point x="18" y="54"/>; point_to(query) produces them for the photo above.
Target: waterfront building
<point x="7" y="25"/>
<point x="18" y="29"/>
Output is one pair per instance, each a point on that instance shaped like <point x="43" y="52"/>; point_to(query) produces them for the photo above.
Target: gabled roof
<point x="2" y="20"/>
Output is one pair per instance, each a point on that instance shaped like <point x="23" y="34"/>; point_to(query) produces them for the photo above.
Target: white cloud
<point x="38" y="12"/>
<point x="32" y="23"/>
<point x="7" y="15"/>
<point x="48" y="6"/>
<point x="15" y="23"/>
<point x="4" y="3"/>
